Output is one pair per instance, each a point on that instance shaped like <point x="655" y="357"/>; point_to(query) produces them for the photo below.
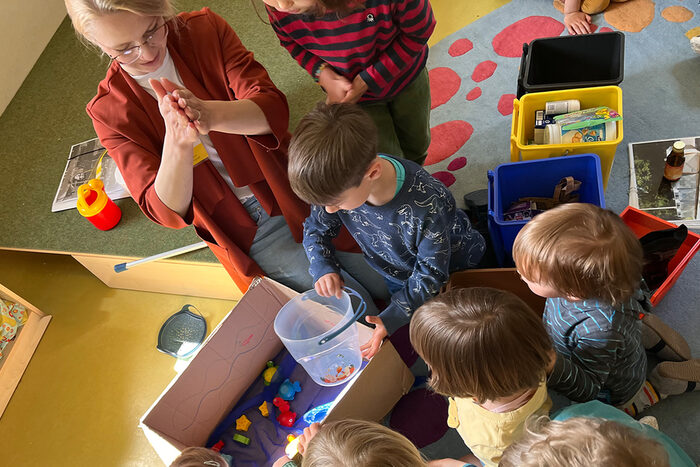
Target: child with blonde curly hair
<point x="593" y="433"/>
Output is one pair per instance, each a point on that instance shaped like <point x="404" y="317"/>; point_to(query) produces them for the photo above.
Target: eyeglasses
<point x="132" y="54"/>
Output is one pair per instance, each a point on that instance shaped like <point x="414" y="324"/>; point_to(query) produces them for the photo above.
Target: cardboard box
<point x="20" y="350"/>
<point x="502" y="278"/>
<point x="234" y="355"/>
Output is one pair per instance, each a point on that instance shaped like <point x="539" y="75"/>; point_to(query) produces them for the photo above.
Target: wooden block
<point x="167" y="276"/>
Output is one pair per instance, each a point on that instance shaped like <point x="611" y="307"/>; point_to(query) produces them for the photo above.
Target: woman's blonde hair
<point x="582" y="251"/>
<point x="199" y="457"/>
<point x="83" y="12"/>
<point x="357" y="443"/>
<point x="583" y="442"/>
<point x="481" y="342"/>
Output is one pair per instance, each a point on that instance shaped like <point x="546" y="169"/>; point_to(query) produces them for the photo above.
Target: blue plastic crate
<point x="515" y="180"/>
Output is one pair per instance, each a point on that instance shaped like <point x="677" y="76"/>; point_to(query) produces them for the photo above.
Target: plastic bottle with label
<point x="562" y="107"/>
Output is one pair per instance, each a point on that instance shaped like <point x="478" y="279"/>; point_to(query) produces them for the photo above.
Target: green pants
<point x="403" y="121"/>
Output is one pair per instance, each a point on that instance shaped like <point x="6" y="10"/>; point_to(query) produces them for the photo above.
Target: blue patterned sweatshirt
<point x="417" y="239"/>
<point x="599" y="348"/>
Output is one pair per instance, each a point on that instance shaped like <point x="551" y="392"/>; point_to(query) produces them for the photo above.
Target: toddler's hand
<point x="359" y="87"/>
<point x="309" y="432"/>
<point x="577" y="22"/>
<point x="372" y="346"/>
<point x="330" y="285"/>
<point x="336" y="86"/>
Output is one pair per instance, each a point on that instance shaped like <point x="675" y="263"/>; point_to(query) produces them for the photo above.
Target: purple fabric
<point x="421" y="416"/>
<point x="267" y="437"/>
<point x="402" y="342"/>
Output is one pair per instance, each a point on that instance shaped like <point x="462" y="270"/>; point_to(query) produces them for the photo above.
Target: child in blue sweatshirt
<point x="405" y="221"/>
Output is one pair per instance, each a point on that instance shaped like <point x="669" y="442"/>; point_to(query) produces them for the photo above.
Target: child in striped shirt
<point x="588" y="264"/>
<point x="369" y="52"/>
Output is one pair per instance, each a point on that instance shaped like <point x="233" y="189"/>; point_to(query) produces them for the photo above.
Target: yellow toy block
<point x="263" y="409"/>
<point x="242" y="423"/>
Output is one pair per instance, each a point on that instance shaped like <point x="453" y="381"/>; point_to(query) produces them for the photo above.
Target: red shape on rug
<point x="421" y="416"/>
<point x="446" y="178"/>
<point x="505" y="104"/>
<point x="593" y="27"/>
<point x="484" y="70"/>
<point x="444" y="83"/>
<point x="460" y="47"/>
<point x="474" y="94"/>
<point x="606" y="29"/>
<point x="509" y="42"/>
<point x="457" y="164"/>
<point x="446" y="139"/>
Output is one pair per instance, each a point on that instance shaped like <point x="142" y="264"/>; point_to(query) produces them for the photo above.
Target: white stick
<point x="121" y="267"/>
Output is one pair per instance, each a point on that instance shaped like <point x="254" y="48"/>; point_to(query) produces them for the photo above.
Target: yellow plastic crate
<point x="523" y="126"/>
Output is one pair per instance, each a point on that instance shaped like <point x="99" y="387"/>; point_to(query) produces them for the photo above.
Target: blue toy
<point x="288" y="389"/>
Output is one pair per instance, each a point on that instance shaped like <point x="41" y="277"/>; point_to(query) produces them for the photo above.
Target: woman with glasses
<point x="199" y="133"/>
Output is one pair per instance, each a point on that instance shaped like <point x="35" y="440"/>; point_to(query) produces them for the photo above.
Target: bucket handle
<point x="361" y="309"/>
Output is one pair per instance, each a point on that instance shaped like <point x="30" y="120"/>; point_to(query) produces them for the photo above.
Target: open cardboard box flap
<point x="235" y="354"/>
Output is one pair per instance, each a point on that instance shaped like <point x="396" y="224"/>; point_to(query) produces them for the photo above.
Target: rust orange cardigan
<point x="213" y="64"/>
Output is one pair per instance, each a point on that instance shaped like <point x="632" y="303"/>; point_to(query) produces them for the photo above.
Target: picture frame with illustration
<point x="677" y="201"/>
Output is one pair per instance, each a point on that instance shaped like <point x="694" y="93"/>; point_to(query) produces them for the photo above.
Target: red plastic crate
<point x="641" y="224"/>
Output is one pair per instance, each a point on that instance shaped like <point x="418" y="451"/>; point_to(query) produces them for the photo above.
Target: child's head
<point x="199" y="457"/>
<point x="331" y="156"/>
<point x="314" y="7"/>
<point x="481" y="342"/>
<point x="583" y="442"/>
<point x="580" y="251"/>
<point x="356" y="443"/>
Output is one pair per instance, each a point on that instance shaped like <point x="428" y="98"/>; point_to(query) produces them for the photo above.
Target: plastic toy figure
<point x="288" y="389"/>
<point x="281" y="404"/>
<point x="287" y="418"/>
<point x="243" y="423"/>
<point x="269" y="372"/>
<point x="264" y="411"/>
<point x="241" y="439"/>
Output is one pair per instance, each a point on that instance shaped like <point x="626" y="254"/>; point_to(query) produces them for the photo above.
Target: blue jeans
<point x="284" y="260"/>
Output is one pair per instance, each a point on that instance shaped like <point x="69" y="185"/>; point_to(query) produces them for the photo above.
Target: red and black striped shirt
<point x="385" y="42"/>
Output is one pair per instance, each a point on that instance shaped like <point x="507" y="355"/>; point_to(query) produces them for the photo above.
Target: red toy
<point x="217" y="447"/>
<point x="286" y="416"/>
<point x="281" y="404"/>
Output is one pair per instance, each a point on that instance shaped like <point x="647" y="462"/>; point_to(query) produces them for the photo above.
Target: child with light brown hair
<point x="405" y="220"/>
<point x="588" y="264"/>
<point x="593" y="433"/>
<point x="355" y="443"/>
<point x="199" y="457"/>
<point x="488" y="351"/>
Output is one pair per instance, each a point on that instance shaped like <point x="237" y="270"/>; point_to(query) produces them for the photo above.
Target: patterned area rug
<point x="473" y="75"/>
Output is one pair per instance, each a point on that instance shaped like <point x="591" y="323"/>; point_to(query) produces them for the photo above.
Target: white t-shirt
<point x="168" y="70"/>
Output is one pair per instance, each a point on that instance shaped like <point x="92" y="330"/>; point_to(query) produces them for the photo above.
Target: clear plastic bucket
<point x="321" y="334"/>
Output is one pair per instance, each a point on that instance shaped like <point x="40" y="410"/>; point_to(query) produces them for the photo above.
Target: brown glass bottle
<point x="675" y="162"/>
